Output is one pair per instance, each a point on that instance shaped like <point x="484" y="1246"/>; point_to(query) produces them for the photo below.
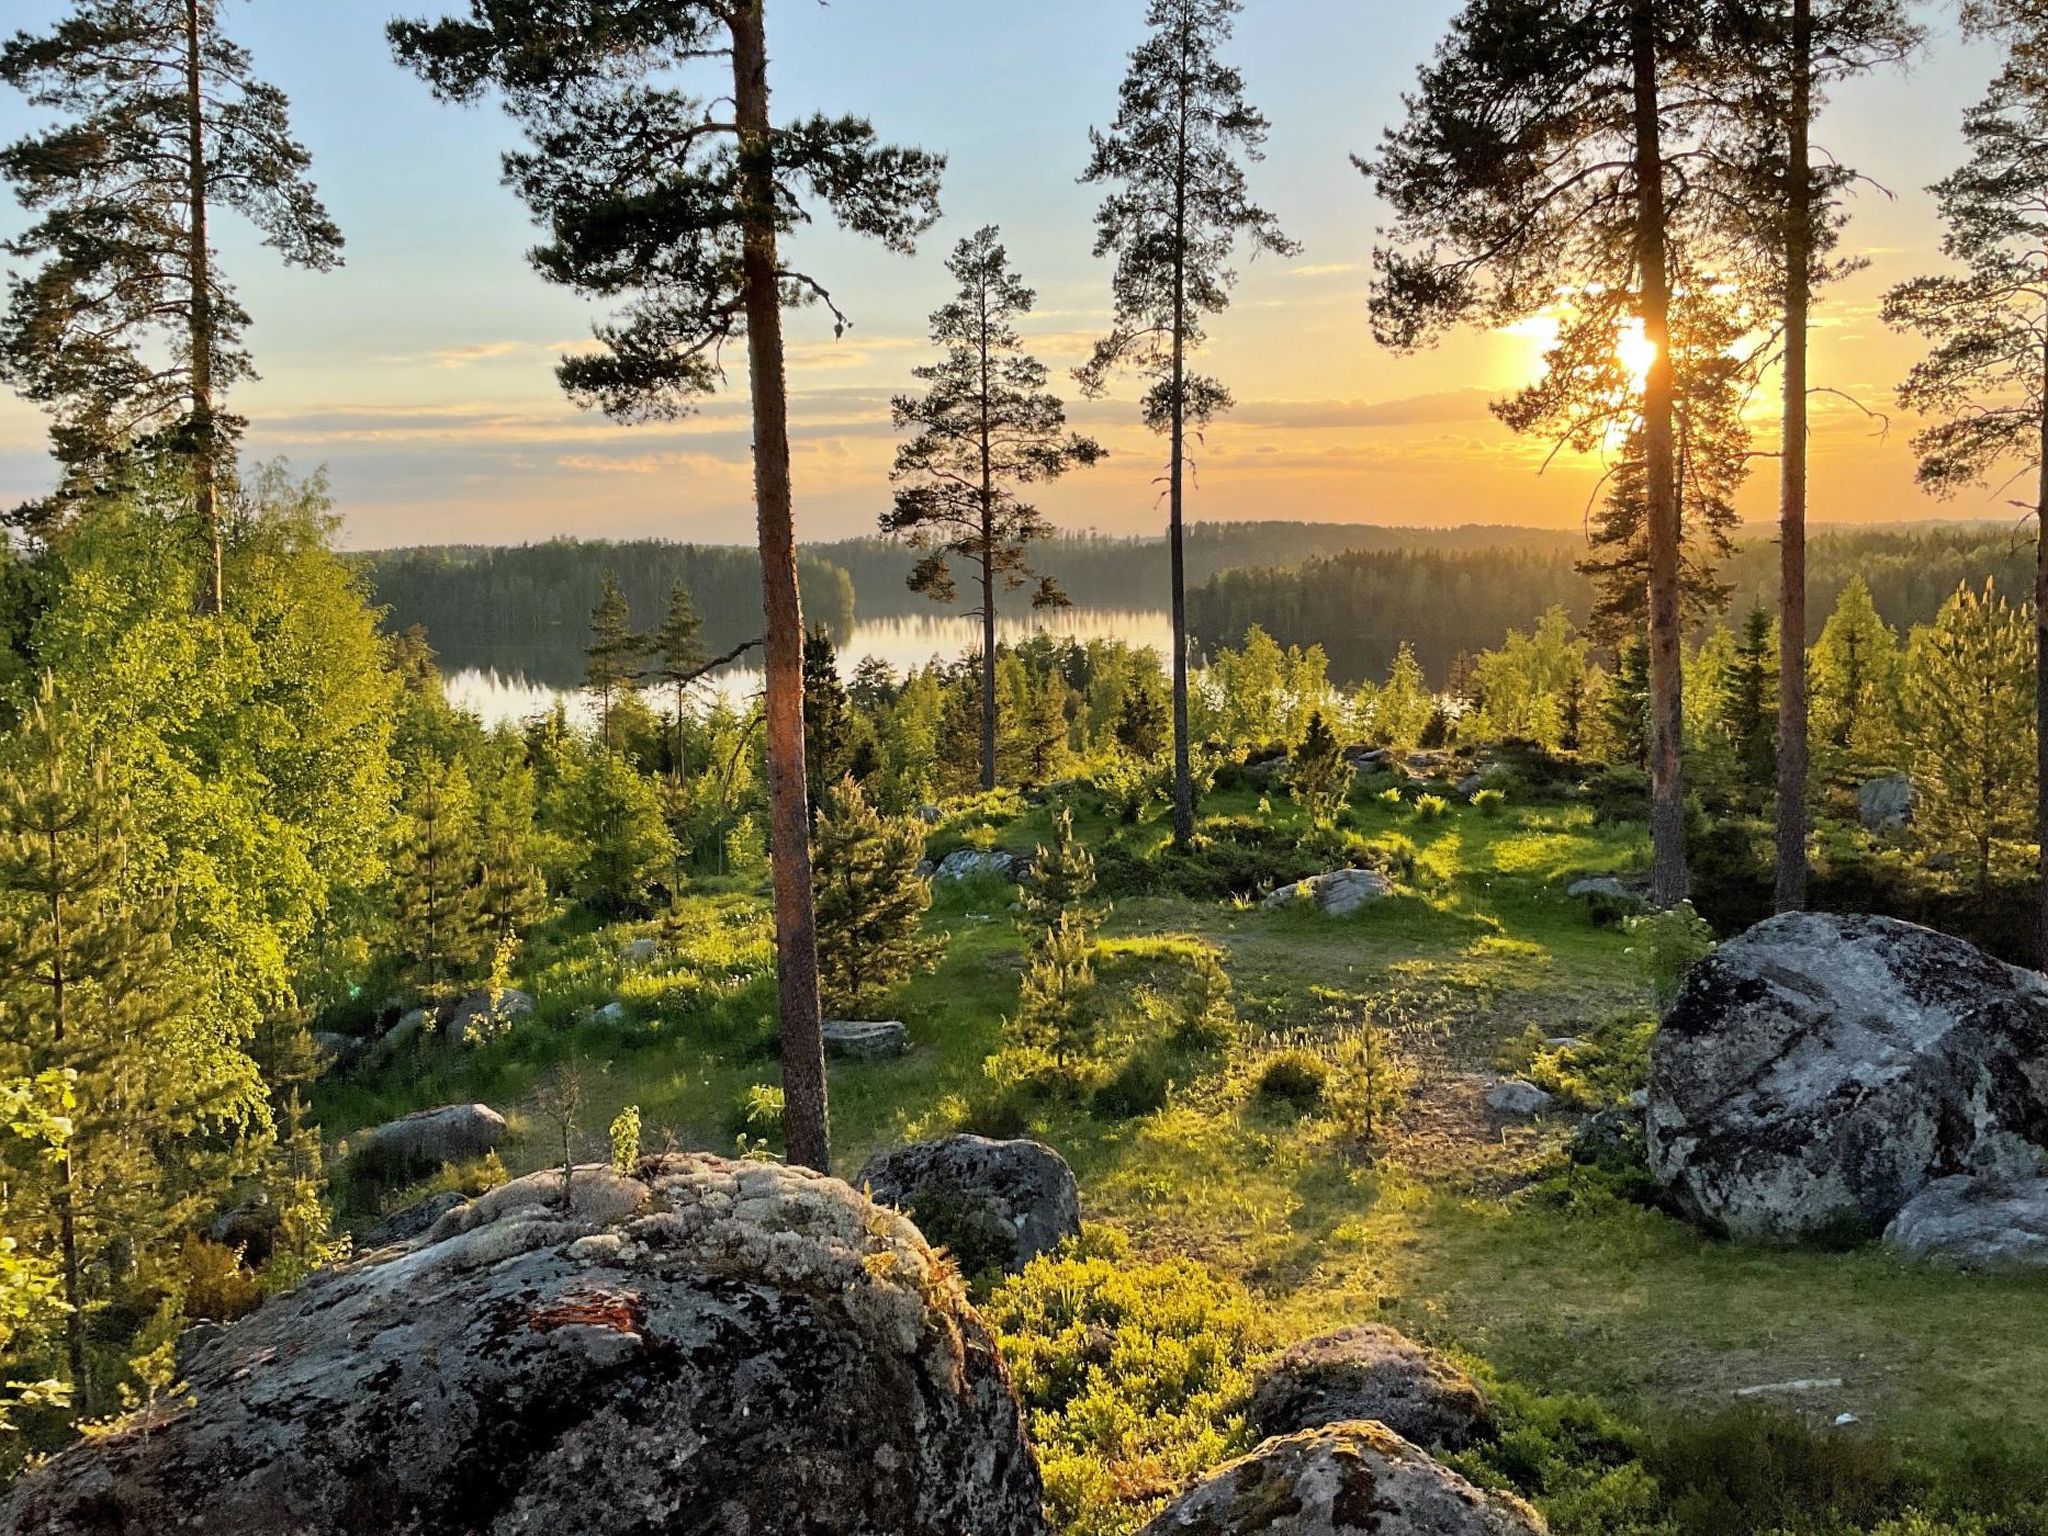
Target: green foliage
<point x="1318" y="776"/>
<point x="1855" y="667"/>
<point x="625" y="1139"/>
<point x="1969" y="707"/>
<point x="1667" y="945"/>
<point x="1597" y="1070"/>
<point x="1061" y="878"/>
<point x="1295" y="1078"/>
<point x="1133" y="1375"/>
<point x="870" y="902"/>
<point x="36" y="1119"/>
<point x="616" y="845"/>
<point x="1489" y="802"/>
<point x="1431" y="808"/>
<point x="615" y="653"/>
<point x="436" y="916"/>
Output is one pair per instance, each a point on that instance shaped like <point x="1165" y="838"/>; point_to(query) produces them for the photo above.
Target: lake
<point x="508" y="694"/>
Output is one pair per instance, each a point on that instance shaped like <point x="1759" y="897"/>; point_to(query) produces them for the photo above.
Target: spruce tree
<point x="871" y="902"/>
<point x="1141" y="721"/>
<point x="688" y="242"/>
<point x="511" y="890"/>
<point x="828" y="726"/>
<point x="1983" y="385"/>
<point x="433" y="872"/>
<point x="1544" y="154"/>
<point x="1318" y="776"/>
<point x="1968" y="686"/>
<point x="1856" y="687"/>
<point x="91" y="986"/>
<point x="1180" y="207"/>
<point x="1748" y="705"/>
<point x="126" y="331"/>
<point x="679" y="658"/>
<point x="613" y="657"/>
<point x="986" y="429"/>
<point x="1626" y="711"/>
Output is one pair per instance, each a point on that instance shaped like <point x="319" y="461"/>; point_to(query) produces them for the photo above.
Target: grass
<point x="1460" y="1231"/>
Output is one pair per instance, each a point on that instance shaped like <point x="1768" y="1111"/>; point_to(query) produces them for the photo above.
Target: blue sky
<point x="421" y="374"/>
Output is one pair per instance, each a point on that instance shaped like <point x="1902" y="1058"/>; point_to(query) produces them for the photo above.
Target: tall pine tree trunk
<point x="988" y="570"/>
<point x="805" y="1131"/>
<point x="2041" y="676"/>
<point x="67" y="1188"/>
<point x="199" y="260"/>
<point x="1667" y="715"/>
<point x="1183" y="768"/>
<point x="1792" y="707"/>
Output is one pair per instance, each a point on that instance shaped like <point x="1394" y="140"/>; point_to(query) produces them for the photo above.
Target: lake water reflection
<point x="508" y="694"/>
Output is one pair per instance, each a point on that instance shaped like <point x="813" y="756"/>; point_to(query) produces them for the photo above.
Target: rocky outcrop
<point x="708" y="1346"/>
<point x="994" y="1204"/>
<point x="1978" y="1223"/>
<point x="865" y="1039"/>
<point x="1820" y="1071"/>
<point x="1886" y="804"/>
<point x="1338" y="894"/>
<point x="1357" y="1479"/>
<point x="428" y="1139"/>
<point x="1371" y="1372"/>
<point x="410" y="1222"/>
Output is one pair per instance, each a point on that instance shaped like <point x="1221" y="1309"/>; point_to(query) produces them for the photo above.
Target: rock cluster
<point x="1819" y="1072"/>
<point x="706" y="1346"/>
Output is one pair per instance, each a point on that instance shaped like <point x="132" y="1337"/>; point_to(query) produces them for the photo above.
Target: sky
<point x="420" y="376"/>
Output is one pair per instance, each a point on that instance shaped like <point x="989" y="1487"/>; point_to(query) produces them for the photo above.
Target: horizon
<point x="421" y="374"/>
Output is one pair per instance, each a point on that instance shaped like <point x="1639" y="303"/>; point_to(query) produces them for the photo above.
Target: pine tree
<point x="614" y="653"/>
<point x="689" y="241"/>
<point x="1544" y="154"/>
<point x="1787" y="198"/>
<point x="1141" y="721"/>
<point x="679" y="657"/>
<point x="1984" y="383"/>
<point x="167" y="126"/>
<point x="871" y="902"/>
<point x="92" y="987"/>
<point x="986" y="429"/>
<point x="1856" y="687"/>
<point x="1061" y="878"/>
<point x="1626" y="711"/>
<point x="1318" y="776"/>
<point x="1181" y="205"/>
<point x="433" y="872"/>
<point x="511" y="890"/>
<point x="1969" y="679"/>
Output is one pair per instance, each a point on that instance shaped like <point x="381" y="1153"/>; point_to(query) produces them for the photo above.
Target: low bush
<point x="1488" y="802"/>
<point x="1432" y="808"/>
<point x="1295" y="1078"/>
<point x="1134" y="1375"/>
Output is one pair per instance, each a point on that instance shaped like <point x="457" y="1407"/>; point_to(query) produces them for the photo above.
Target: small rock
<point x="1981" y="1223"/>
<point x="865" y="1040"/>
<point x="1606" y="887"/>
<point x="476" y="1018"/>
<point x="995" y="1204"/>
<point x="1609" y="1136"/>
<point x="966" y="863"/>
<point x="1357" y="1479"/>
<point x="1844" y="1420"/>
<point x="641" y="952"/>
<point x="1339" y="893"/>
<point x="341" y="1050"/>
<point x="930" y="815"/>
<point x="1792" y="1388"/>
<point x="611" y="1015"/>
<point x="1371" y="1372"/>
<point x="1518" y="1098"/>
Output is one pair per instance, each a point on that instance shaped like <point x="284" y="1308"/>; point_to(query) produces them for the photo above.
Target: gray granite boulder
<point x="411" y="1222"/>
<point x="994" y="1204"/>
<point x="1820" y="1071"/>
<point x="428" y="1139"/>
<point x="1519" y="1099"/>
<point x="1978" y="1223"/>
<point x="966" y="863"/>
<point x="865" y="1039"/>
<point x="1339" y="893"/>
<point x="1371" y="1372"/>
<point x="477" y="1017"/>
<point x="733" y="1348"/>
<point x="1886" y="804"/>
<point x="1358" y="1479"/>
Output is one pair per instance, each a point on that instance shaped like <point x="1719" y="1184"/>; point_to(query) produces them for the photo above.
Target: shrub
<point x="1432" y="808"/>
<point x="1619" y="794"/>
<point x="1134" y="1376"/>
<point x="1749" y="1470"/>
<point x="1390" y="798"/>
<point x="1669" y="944"/>
<point x="1488" y="802"/>
<point x="1296" y="1078"/>
<point x="1138" y="1087"/>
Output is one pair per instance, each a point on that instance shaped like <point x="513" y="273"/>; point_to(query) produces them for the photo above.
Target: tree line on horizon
<point x="1641" y="171"/>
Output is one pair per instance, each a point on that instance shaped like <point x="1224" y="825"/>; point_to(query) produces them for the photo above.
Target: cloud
<point x="1327" y="269"/>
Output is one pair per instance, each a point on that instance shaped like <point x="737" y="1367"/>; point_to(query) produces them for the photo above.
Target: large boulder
<point x="865" y="1039"/>
<point x="1338" y="894"/>
<point x="1357" y="1479"/>
<point x="1978" y="1223"/>
<point x="428" y="1139"/>
<point x="994" y="1204"/>
<point x="1820" y="1071"/>
<point x="968" y="863"/>
<point x="1371" y="1372"/>
<point x="1886" y="804"/>
<point x="738" y="1349"/>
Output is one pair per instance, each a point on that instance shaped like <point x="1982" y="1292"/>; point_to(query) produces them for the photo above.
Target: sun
<point x="1636" y="352"/>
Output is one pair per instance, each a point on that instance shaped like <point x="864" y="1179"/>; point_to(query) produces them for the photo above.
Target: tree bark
<point x="806" y="1134"/>
<point x="1668" y="880"/>
<point x="988" y="568"/>
<point x="1183" y="767"/>
<point x="199" y="258"/>
<point x="2041" y="678"/>
<point x="1792" y="705"/>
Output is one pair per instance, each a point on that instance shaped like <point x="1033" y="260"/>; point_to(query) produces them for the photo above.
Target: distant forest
<point x="527" y="609"/>
<point x="1357" y="591"/>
